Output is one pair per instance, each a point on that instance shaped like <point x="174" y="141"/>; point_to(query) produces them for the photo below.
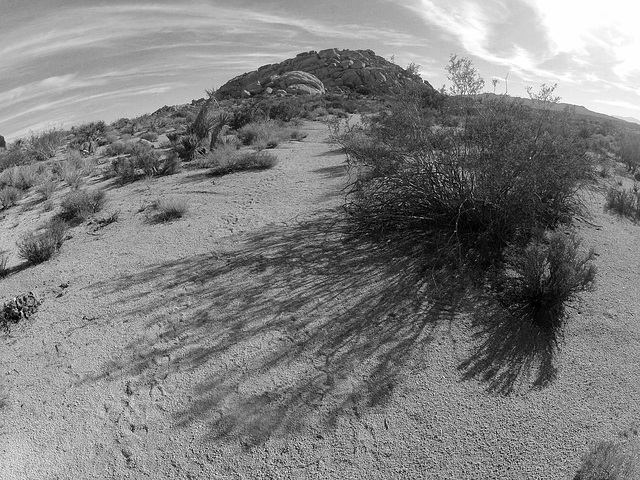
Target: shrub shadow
<point x="511" y="353"/>
<point x="293" y="326"/>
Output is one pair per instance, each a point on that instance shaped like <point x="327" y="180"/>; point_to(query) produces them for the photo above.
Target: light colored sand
<point x="251" y="339"/>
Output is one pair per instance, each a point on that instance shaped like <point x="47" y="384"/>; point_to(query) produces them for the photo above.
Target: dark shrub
<point x="539" y="280"/>
<point x="623" y="202"/>
<point x="9" y="196"/>
<point x="508" y="173"/>
<point x="135" y="160"/>
<point x="80" y="204"/>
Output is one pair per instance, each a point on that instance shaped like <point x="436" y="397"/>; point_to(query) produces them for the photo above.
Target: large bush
<point x="474" y="179"/>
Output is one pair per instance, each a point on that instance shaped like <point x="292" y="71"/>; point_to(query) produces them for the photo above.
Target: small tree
<point x="495" y="82"/>
<point x="413" y="69"/>
<point x="464" y="76"/>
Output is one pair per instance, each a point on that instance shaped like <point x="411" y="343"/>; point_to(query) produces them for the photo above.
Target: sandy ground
<point x="255" y="339"/>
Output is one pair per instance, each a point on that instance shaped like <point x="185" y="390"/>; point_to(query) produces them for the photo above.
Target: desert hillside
<point x="252" y="288"/>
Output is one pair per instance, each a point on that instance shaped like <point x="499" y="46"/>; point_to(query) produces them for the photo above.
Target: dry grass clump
<point x="240" y="162"/>
<point x="22" y="177"/>
<point x="136" y="160"/>
<point x="9" y="196"/>
<point x="265" y="134"/>
<point x="40" y="246"/>
<point x="78" y="205"/>
<point x="167" y="209"/>
<point x="46" y="188"/>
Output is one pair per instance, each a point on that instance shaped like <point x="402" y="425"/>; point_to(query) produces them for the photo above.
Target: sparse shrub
<point x="47" y="188"/>
<point x="623" y="202"/>
<point x="248" y="161"/>
<point x="117" y="148"/>
<point x="22" y="177"/>
<point x="45" y="145"/>
<point x="264" y="134"/>
<point x="89" y="132"/>
<point x="187" y="147"/>
<point x="171" y="164"/>
<point x="135" y="160"/>
<point x="146" y="159"/>
<point x="70" y="173"/>
<point x="38" y="247"/>
<point x="169" y="209"/>
<point x="223" y="154"/>
<point x="80" y="204"/>
<point x="9" y="196"/>
<point x="149" y="136"/>
<point x="609" y="461"/>
<point x="14" y="155"/>
<point x="630" y="151"/>
<point x="539" y="280"/>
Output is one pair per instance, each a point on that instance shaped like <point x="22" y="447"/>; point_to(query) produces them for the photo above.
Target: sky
<point x="65" y="62"/>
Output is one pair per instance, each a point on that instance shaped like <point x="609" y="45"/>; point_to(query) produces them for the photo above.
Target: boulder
<point x="302" y="89"/>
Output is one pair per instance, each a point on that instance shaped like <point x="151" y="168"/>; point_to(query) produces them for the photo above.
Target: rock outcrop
<point x="18" y="308"/>
<point x="314" y="72"/>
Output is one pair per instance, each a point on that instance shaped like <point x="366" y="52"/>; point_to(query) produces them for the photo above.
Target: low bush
<point x="44" y="145"/>
<point x="264" y="134"/>
<point x="625" y="203"/>
<point x="38" y="247"/>
<point x="9" y="196"/>
<point x="248" y="161"/>
<point x="89" y="132"/>
<point x="149" y="136"/>
<point x="22" y="177"/>
<point x="14" y="155"/>
<point x="539" y="280"/>
<point x="167" y="209"/>
<point x="117" y="148"/>
<point x="46" y="188"/>
<point x="80" y="204"/>
<point x="71" y="173"/>
<point x="136" y="160"/>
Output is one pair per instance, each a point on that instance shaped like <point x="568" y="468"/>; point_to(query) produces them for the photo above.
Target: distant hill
<point x="630" y="119"/>
<point x="578" y="109"/>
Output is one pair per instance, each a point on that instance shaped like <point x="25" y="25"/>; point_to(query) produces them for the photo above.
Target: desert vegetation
<point x="477" y="189"/>
<point x="484" y="185"/>
<point x="39" y="246"/>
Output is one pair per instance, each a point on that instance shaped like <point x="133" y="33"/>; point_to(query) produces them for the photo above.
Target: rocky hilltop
<point x="316" y="72"/>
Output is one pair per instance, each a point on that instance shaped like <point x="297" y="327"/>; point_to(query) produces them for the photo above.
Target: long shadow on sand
<point x="286" y="328"/>
<point x="510" y="353"/>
